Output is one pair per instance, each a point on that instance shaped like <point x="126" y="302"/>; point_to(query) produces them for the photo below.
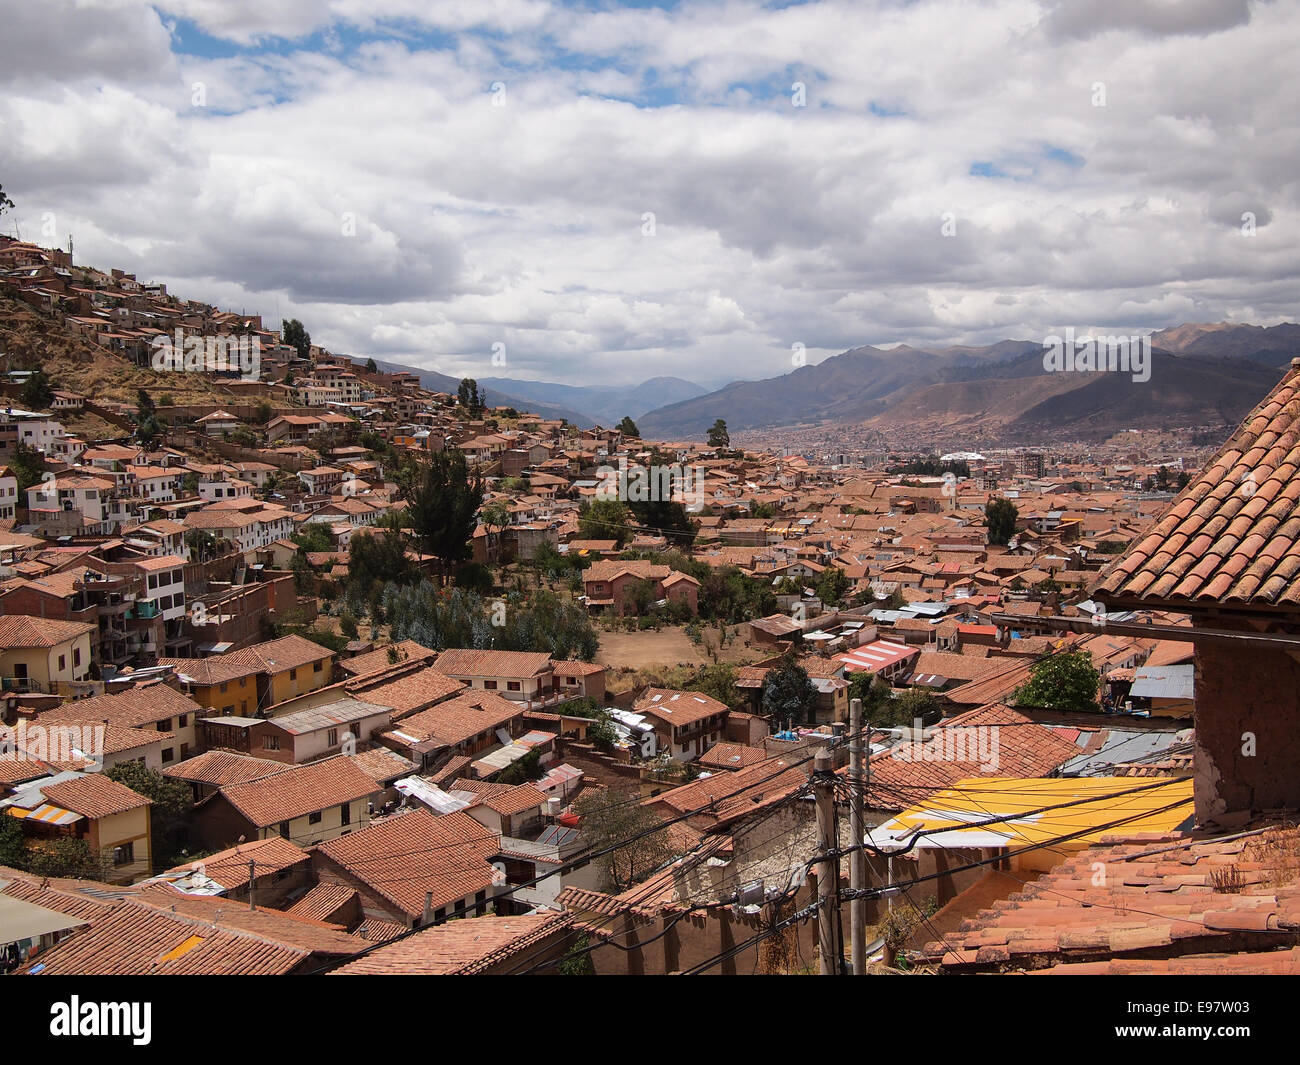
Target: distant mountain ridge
<point x="1201" y="374"/>
<point x="603" y="404"/>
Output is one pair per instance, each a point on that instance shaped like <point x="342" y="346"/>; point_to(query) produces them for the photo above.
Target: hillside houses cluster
<point x="390" y="807"/>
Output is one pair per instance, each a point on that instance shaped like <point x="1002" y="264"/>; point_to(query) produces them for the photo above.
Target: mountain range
<point x="1200" y="375"/>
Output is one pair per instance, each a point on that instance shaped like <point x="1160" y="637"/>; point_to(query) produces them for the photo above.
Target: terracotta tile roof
<point x="378" y="660"/>
<point x="456" y="720"/>
<point x="462" y="948"/>
<point x="19" y="630"/>
<point x="677" y="708"/>
<point x="299" y="790"/>
<point x="994" y="685"/>
<point x="76" y="898"/>
<point x="381" y="764"/>
<point x="274" y="656"/>
<point x="413" y="690"/>
<point x="1233" y="534"/>
<point x="905" y="774"/>
<point x="1172" y="894"/>
<point x="229" y="868"/>
<point x="725" y="796"/>
<point x="325" y="902"/>
<point x="403" y="858"/>
<point x="220" y="768"/>
<point x="94" y="795"/>
<point x="730" y="756"/>
<point x="516" y="800"/>
<point x="466" y="662"/>
<point x="139" y="940"/>
<point x="129" y="709"/>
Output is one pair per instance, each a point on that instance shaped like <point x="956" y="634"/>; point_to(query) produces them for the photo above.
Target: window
<point x="293" y="674"/>
<point x="490" y="685"/>
<point x="271" y="743"/>
<point x="76" y="656"/>
<point x="314" y="819"/>
<point x="318" y="666"/>
<point x="169" y="754"/>
<point x="224" y="686"/>
<point x="513" y="685"/>
<point x="183" y="720"/>
<point x="165" y="725"/>
<point x="185" y="750"/>
<point x="125" y="854"/>
<point x="63" y="662"/>
<point x="284" y="829"/>
<point x="345" y="814"/>
<point x="332" y="738"/>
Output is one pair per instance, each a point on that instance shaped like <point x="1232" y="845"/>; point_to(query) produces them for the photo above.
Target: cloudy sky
<point x="613" y="191"/>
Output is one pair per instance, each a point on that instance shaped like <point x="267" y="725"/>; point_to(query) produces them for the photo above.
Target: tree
<point x="201" y="543"/>
<point x="1000" y="515"/>
<point x="788" y="694"/>
<point x="495" y="515"/>
<point x="577" y="959"/>
<point x="916" y="704"/>
<point x="601" y="731"/>
<point x="628" y="428"/>
<point x="169" y="817"/>
<point x="832" y="584"/>
<point x="6" y="204"/>
<point x="313" y="537"/>
<point x="293" y="334"/>
<point x="718" y="435"/>
<point x="666" y="518"/>
<point x="605" y="519"/>
<point x="1162" y="478"/>
<point x="1064" y="681"/>
<point x="374" y="561"/>
<point x="611" y="816"/>
<point x="28" y="466"/>
<point x="718" y="681"/>
<point x="443" y="506"/>
<point x="372" y="366"/>
<point x="65" y="856"/>
<point x="38" y="392"/>
<point x="13" y="848"/>
<point x="148" y="427"/>
<point x="875" y="697"/>
<point x="467" y="395"/>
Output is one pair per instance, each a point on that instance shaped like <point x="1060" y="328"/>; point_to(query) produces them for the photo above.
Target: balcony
<point x="23" y="684"/>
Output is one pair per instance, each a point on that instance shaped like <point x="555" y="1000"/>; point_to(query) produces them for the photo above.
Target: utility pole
<point x="828" y="869"/>
<point x="859" y="745"/>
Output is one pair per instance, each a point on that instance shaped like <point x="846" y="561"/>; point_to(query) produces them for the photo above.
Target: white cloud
<point x="773" y="224"/>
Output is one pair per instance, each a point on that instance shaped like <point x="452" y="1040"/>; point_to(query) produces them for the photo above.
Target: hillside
<point x="606" y="404"/>
<point x="1000" y="388"/>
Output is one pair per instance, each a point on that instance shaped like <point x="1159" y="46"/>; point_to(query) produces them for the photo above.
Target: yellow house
<point x="245" y="682"/>
<point x="1056" y="816"/>
<point x="43" y="654"/>
<point x="110" y="817"/>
